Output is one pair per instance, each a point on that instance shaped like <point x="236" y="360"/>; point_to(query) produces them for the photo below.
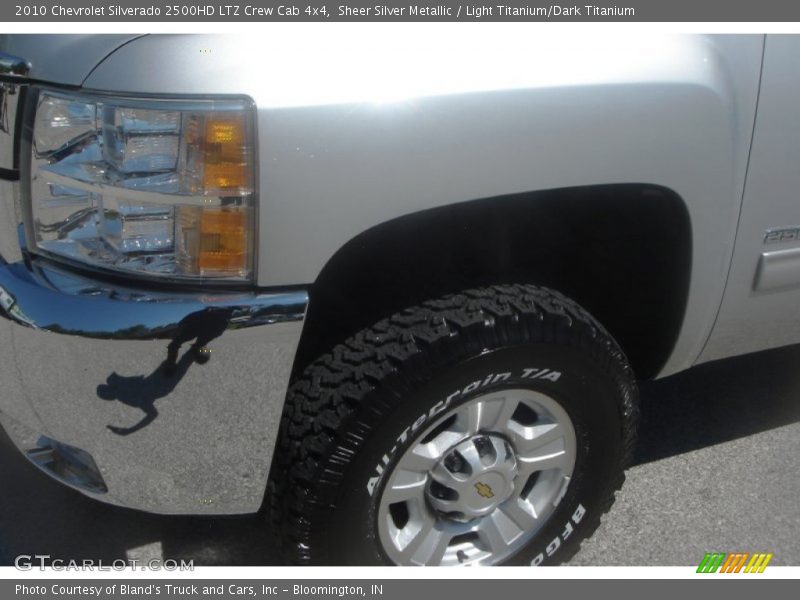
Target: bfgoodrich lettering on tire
<point x="487" y="427"/>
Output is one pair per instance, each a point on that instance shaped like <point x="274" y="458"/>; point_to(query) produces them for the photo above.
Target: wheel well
<point x="622" y="251"/>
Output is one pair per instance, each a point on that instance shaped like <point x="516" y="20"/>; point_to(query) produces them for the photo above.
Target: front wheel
<point x="487" y="427"/>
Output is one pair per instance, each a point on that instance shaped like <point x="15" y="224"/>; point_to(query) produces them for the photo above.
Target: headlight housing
<point x="156" y="188"/>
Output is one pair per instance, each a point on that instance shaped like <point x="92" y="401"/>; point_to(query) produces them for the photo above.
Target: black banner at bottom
<point x="388" y="589"/>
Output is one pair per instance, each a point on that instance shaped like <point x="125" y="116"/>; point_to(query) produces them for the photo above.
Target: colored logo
<point x="484" y="490"/>
<point x="736" y="562"/>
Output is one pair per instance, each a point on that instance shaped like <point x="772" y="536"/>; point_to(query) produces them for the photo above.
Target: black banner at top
<point x="600" y="11"/>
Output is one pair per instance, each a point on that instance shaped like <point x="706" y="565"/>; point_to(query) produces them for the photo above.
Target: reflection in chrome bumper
<point x="176" y="397"/>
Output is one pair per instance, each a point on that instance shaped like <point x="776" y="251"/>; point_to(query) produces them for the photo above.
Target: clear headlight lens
<point x="155" y="187"/>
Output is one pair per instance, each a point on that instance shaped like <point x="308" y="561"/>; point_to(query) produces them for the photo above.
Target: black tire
<point x="344" y="413"/>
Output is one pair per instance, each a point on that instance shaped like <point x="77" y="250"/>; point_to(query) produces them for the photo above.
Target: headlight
<point x="163" y="188"/>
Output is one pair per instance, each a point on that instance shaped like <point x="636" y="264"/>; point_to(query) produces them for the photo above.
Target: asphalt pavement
<point x="716" y="469"/>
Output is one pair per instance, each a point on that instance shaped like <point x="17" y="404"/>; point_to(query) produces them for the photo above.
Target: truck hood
<point x="64" y="59"/>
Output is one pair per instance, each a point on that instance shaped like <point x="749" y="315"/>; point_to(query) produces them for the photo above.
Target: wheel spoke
<point x="532" y="463"/>
<point x="503" y="409"/>
<point x="439" y="547"/>
<point x="523" y="516"/>
<point x="425" y="455"/>
<point x="468" y="419"/>
<point x="530" y="440"/>
<point x="495" y="533"/>
<point x="428" y="546"/>
<point x="405" y="485"/>
<point x="421" y="458"/>
<point x="476" y="417"/>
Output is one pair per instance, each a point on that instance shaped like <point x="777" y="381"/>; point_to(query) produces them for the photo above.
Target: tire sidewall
<point x="589" y="393"/>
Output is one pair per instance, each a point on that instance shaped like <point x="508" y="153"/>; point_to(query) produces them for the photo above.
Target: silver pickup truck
<point x="393" y="290"/>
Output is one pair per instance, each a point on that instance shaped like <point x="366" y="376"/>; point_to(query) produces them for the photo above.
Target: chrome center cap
<point x="473" y="478"/>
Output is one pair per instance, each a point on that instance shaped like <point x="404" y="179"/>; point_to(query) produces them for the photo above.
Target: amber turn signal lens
<point x="215" y="241"/>
<point x="225" y="154"/>
<point x="223" y="240"/>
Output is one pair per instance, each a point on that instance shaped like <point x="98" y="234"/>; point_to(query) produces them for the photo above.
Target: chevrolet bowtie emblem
<point x="484" y="490"/>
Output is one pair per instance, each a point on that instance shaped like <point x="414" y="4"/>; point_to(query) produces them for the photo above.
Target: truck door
<point x="761" y="304"/>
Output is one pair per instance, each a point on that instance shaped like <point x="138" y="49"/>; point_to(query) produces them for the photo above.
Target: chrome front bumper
<point x="163" y="401"/>
<point x="175" y="398"/>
